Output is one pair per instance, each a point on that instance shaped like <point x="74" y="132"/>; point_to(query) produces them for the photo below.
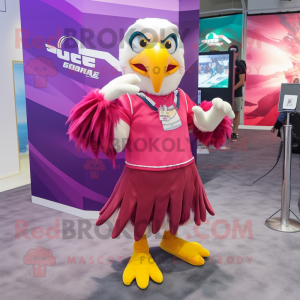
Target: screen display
<point x="220" y="32"/>
<point x="213" y="71"/>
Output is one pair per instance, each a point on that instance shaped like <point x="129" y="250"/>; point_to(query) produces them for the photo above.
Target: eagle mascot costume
<point x="146" y="113"/>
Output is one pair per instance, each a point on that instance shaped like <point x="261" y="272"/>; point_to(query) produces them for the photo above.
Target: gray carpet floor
<point x="259" y="264"/>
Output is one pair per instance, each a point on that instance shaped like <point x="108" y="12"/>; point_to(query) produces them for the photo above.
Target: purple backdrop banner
<point x="60" y="70"/>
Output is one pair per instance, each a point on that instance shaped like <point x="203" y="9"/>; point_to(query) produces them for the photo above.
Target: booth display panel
<point x="69" y="51"/>
<point x="272" y="59"/>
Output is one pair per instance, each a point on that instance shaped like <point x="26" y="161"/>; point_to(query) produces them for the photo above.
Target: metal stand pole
<point x="284" y="223"/>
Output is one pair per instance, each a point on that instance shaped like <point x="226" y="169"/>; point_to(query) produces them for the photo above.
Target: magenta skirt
<point x="145" y="197"/>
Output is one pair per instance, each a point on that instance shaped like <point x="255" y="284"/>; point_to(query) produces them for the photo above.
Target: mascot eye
<point x="143" y="43"/>
<point x="138" y="43"/>
<point x="170" y="45"/>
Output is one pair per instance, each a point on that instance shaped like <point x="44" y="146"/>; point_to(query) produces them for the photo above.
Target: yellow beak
<point x="155" y="62"/>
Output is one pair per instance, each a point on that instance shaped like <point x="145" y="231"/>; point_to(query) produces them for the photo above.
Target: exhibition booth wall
<point x="10" y="51"/>
<point x="63" y="177"/>
<point x="273" y="57"/>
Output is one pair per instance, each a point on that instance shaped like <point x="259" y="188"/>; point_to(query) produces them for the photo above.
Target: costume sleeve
<point x="127" y="111"/>
<point x="216" y="137"/>
<point x="190" y="114"/>
<point x="92" y="123"/>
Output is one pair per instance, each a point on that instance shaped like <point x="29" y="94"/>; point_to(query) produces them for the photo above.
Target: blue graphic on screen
<point x="21" y="106"/>
<point x="213" y="71"/>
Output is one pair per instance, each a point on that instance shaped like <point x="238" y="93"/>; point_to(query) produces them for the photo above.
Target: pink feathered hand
<point x="92" y="123"/>
<point x="216" y="137"/>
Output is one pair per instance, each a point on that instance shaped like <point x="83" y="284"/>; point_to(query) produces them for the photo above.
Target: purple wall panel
<point x="60" y="172"/>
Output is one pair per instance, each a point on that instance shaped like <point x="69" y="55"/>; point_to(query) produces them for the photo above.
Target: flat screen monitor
<point x="216" y="75"/>
<point x="213" y="71"/>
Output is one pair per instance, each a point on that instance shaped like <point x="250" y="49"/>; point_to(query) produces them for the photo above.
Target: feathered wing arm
<point x="95" y="121"/>
<point x="211" y="122"/>
<point x="92" y="123"/>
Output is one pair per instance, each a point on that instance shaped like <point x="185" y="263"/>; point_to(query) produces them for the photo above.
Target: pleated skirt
<point x="145" y="198"/>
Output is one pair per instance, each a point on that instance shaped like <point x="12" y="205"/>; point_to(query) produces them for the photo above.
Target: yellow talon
<point x="190" y="252"/>
<point x="141" y="266"/>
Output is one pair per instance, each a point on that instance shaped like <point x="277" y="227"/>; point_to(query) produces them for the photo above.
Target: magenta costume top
<point x="159" y="135"/>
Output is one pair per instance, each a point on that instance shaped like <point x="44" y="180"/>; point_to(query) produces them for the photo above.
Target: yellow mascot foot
<point x="191" y="252"/>
<point x="141" y="266"/>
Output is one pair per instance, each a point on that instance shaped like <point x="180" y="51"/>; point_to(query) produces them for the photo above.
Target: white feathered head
<point x="152" y="49"/>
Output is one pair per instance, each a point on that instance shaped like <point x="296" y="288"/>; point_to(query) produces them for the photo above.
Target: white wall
<point x="266" y="6"/>
<point x="9" y="152"/>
